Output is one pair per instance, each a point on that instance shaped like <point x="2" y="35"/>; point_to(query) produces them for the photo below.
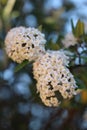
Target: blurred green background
<point x="20" y="106"/>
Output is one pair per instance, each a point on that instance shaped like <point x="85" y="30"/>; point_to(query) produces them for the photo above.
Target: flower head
<point x="24" y="44"/>
<point x="69" y="40"/>
<point x="53" y="76"/>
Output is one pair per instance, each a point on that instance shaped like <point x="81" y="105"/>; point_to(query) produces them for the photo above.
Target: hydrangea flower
<point x="69" y="40"/>
<point x="24" y="44"/>
<point x="53" y="76"/>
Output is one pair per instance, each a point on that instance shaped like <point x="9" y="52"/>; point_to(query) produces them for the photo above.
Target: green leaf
<point x="20" y="66"/>
<point x="84" y="57"/>
<point x="85" y="38"/>
<point x="52" y="46"/>
<point x="80" y="83"/>
<point x="40" y="28"/>
<point x="73" y="28"/>
<point x="80" y="72"/>
<point x="79" y="29"/>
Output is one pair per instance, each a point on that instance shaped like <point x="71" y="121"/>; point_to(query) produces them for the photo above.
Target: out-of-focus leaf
<point x="40" y="28"/>
<point x="20" y="66"/>
<point x="15" y="14"/>
<point x="79" y="29"/>
<point x="80" y="84"/>
<point x="36" y="97"/>
<point x="52" y="46"/>
<point x="57" y="13"/>
<point x="60" y="37"/>
<point x="84" y="57"/>
<point x="81" y="73"/>
<point x="85" y="38"/>
<point x="53" y="19"/>
<point x="84" y="96"/>
<point x="8" y="8"/>
<point x="49" y="20"/>
<point x="73" y="28"/>
<point x="3" y="2"/>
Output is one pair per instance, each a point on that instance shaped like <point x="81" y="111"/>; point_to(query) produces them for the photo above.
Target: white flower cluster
<point x="24" y="44"/>
<point x="69" y="40"/>
<point x="54" y="78"/>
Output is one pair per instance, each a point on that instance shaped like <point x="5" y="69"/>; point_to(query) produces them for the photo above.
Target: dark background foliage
<point x="20" y="106"/>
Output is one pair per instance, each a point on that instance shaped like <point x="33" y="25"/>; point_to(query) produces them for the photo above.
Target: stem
<point x="79" y="54"/>
<point x="77" y="66"/>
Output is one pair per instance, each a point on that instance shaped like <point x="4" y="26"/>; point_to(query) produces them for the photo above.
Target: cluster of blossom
<point x="49" y="67"/>
<point x="24" y="44"/>
<point x="53" y="76"/>
<point x="69" y="40"/>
